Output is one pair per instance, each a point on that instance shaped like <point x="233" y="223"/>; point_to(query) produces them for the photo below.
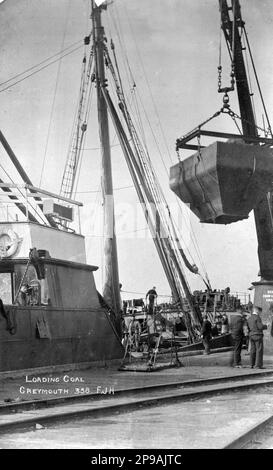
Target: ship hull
<point x="46" y="336"/>
<point x="51" y="313"/>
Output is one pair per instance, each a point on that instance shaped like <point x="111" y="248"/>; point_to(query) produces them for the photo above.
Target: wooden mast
<point x="111" y="288"/>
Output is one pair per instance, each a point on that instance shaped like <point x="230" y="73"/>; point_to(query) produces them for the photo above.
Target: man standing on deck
<point x="237" y="335"/>
<point x="152" y="296"/>
<point x="256" y="328"/>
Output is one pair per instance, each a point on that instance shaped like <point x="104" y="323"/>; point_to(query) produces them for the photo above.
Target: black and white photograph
<point x="136" y="228"/>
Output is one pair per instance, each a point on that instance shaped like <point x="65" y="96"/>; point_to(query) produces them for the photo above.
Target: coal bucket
<point x="224" y="181"/>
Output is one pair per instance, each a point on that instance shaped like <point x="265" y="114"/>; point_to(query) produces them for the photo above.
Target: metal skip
<point x="223" y="182"/>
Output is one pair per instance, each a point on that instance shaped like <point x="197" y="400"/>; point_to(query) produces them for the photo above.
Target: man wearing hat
<point x="237" y="335"/>
<point x="152" y="296"/>
<point x="206" y="334"/>
<point x="256" y="328"/>
<point x="271" y="311"/>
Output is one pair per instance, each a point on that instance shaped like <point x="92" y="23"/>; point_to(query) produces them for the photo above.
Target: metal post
<point x="26" y="196"/>
<point x="79" y="220"/>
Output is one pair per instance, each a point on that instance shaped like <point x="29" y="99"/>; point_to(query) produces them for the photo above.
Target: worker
<point x="25" y="292"/>
<point x="218" y="322"/>
<point x="214" y="330"/>
<point x="246" y="336"/>
<point x="271" y="311"/>
<point x="256" y="328"/>
<point x="224" y="329"/>
<point x="206" y="334"/>
<point x="152" y="296"/>
<point x="179" y="326"/>
<point x="237" y="336"/>
<point x="124" y="307"/>
<point x="226" y="296"/>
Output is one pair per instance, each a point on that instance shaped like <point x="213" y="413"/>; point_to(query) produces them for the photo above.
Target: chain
<point x="219" y="77"/>
<point x="197" y="128"/>
<point x="232" y="73"/>
<point x="232" y="80"/>
<point x="224" y="110"/>
<point x="234" y="116"/>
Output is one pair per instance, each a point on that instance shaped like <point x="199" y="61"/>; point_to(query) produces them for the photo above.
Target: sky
<point x="172" y="47"/>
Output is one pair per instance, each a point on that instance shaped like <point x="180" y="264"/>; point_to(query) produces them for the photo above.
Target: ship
<point x="51" y="313"/>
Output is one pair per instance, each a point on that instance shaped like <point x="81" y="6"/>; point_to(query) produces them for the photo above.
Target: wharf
<point x="36" y="385"/>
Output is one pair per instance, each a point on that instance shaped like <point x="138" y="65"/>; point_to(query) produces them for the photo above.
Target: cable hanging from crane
<point x="221" y="89"/>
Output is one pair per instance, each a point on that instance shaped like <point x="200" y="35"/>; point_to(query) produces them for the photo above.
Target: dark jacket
<point x="236" y="326"/>
<point x="152" y="294"/>
<point x="255" y="326"/>
<point x="206" y="329"/>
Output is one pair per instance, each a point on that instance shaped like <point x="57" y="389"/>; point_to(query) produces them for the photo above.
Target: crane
<point x="263" y="210"/>
<point x="231" y="178"/>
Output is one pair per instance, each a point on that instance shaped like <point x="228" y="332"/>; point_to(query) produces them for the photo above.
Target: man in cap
<point x="206" y="334"/>
<point x="237" y="335"/>
<point x="152" y="295"/>
<point x="271" y="311"/>
<point x="256" y="328"/>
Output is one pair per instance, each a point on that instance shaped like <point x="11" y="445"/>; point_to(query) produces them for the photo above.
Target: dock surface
<point x="39" y="386"/>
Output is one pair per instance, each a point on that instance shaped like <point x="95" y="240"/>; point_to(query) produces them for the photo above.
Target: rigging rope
<point x="151" y="129"/>
<point x="158" y="195"/>
<point x="142" y="165"/>
<point x="257" y="81"/>
<point x="42" y="68"/>
<point x="149" y="87"/>
<point x="78" y="136"/>
<point x="250" y="82"/>
<point x="83" y="141"/>
<point x="54" y="95"/>
<point x="40" y="63"/>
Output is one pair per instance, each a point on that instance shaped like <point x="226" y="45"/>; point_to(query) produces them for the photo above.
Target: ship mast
<point x="111" y="289"/>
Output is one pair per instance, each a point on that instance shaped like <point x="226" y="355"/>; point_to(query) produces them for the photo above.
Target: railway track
<point x="14" y="416"/>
